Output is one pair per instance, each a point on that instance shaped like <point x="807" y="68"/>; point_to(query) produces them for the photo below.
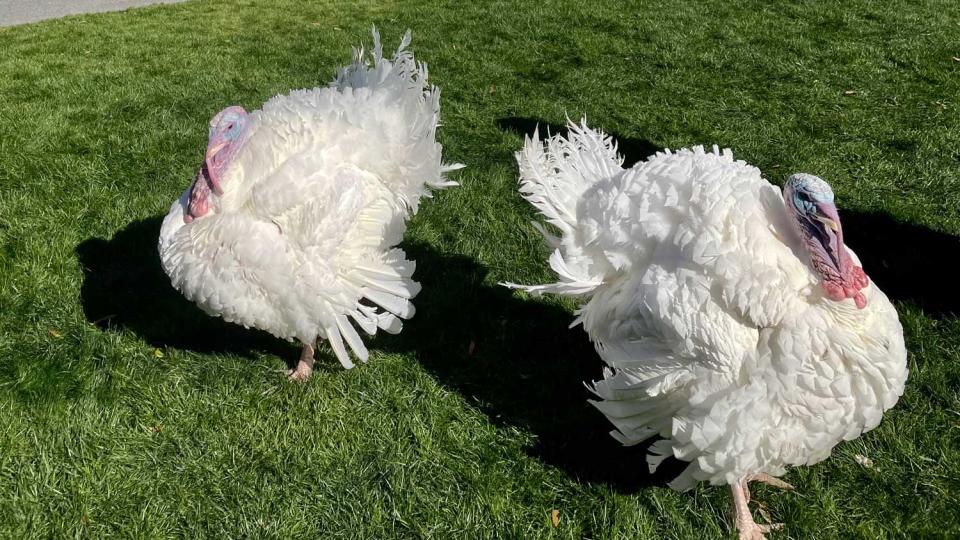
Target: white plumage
<point x="703" y="302"/>
<point x="301" y="242"/>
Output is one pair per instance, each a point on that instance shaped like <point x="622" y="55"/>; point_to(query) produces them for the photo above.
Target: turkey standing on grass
<point x="735" y="323"/>
<point x="291" y="221"/>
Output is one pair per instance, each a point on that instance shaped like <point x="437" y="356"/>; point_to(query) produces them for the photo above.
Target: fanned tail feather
<point x="413" y="150"/>
<point x="554" y="174"/>
<point x="403" y="69"/>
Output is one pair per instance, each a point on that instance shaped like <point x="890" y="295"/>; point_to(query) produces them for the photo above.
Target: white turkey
<point x="291" y="223"/>
<point x="734" y="322"/>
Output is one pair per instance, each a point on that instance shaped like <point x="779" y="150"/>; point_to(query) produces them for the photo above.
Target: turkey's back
<point x="685" y="238"/>
<point x="386" y="132"/>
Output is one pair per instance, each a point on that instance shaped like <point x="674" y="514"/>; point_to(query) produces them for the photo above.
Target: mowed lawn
<point x="126" y="412"/>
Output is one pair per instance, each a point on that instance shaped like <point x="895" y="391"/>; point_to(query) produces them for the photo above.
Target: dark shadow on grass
<point x="909" y="263"/>
<point x="526" y="368"/>
<point x="124" y="287"/>
<point x="632" y="149"/>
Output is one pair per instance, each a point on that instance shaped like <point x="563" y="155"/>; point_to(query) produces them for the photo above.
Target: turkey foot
<point x="304" y="366"/>
<point x="747" y="527"/>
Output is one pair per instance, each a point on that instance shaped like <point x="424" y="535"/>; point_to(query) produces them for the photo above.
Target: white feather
<point x="702" y="301"/>
<point x="315" y="199"/>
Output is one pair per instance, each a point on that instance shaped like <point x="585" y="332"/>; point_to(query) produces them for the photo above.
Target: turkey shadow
<point x="632" y="149"/>
<point x="521" y="363"/>
<point x="124" y="287"/>
<point x="516" y="360"/>
<point x="902" y="259"/>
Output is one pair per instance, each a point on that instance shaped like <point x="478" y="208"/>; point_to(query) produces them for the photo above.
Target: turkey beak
<point x="827" y="214"/>
<point x="832" y="233"/>
<point x="213" y="148"/>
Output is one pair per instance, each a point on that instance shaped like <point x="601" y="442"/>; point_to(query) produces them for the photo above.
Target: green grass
<point x="125" y="412"/>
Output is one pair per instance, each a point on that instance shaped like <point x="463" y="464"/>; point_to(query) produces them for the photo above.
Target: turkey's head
<point x="809" y="202"/>
<point x="224" y="137"/>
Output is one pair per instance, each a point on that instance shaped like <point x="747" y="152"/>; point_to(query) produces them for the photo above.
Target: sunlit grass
<point x="127" y="412"/>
